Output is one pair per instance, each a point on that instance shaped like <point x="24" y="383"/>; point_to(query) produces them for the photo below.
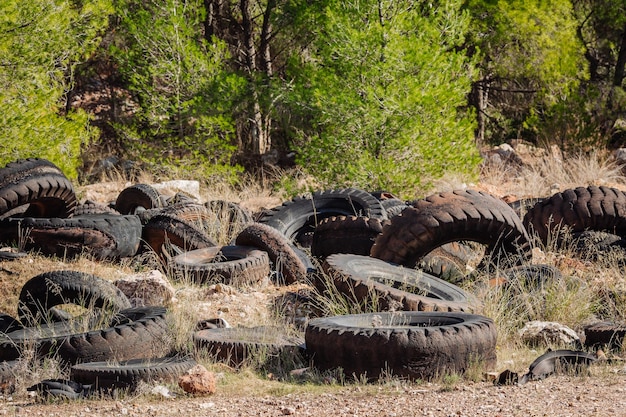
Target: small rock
<point x="198" y="380"/>
<point x="148" y="288"/>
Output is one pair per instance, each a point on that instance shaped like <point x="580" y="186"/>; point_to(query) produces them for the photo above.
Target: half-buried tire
<point x="412" y="345"/>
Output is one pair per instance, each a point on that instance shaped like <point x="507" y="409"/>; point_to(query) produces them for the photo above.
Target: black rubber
<point x="9" y="324"/>
<point x="287" y="264"/>
<point x="35" y="188"/>
<point x="235" y="345"/>
<point x="163" y="232"/>
<point x="139" y="333"/>
<point x="392" y="287"/>
<point x="554" y="361"/>
<point x="593" y="208"/>
<point x="231" y="215"/>
<point x="345" y="234"/>
<point x="414" y="345"/>
<point x="605" y="334"/>
<point x="232" y="264"/>
<point x="462" y="215"/>
<point x="91" y="207"/>
<point x="298" y="218"/>
<point x="127" y="374"/>
<point x="136" y="198"/>
<point x="103" y="236"/>
<point x="53" y="288"/>
<point x="451" y="261"/>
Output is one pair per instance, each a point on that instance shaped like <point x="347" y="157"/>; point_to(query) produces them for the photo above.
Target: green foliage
<point x="531" y="65"/>
<point x="41" y="41"/>
<point x="185" y="96"/>
<point x="383" y="88"/>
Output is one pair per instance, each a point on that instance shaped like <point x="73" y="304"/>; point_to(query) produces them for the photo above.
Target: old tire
<point x="136" y="198"/>
<point x="414" y="345"/>
<point x="35" y="188"/>
<point x="578" y="209"/>
<point x="393" y="287"/>
<point x="139" y="333"/>
<point x="288" y="265"/>
<point x="127" y="374"/>
<point x="462" y="215"/>
<point x="298" y="218"/>
<point x="605" y="335"/>
<point x="53" y="288"/>
<point x="232" y="264"/>
<point x="235" y="345"/>
<point x="345" y="234"/>
<point x="103" y="236"/>
<point x="164" y="229"/>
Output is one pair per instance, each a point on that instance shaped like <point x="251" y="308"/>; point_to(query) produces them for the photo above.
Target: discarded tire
<point x="235" y="265"/>
<point x="133" y="333"/>
<point x="236" y="345"/>
<point x="578" y="209"/>
<point x="462" y="215"/>
<point x="412" y="345"/>
<point x="103" y="236"/>
<point x="287" y="263"/>
<point x="50" y="289"/>
<point x="35" y="188"/>
<point x="345" y="234"/>
<point x="605" y="334"/>
<point x="137" y="198"/>
<point x="298" y="218"/>
<point x="164" y="232"/>
<point x="127" y="374"/>
<point x="393" y="287"/>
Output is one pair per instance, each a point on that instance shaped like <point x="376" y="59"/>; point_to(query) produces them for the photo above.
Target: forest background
<point x="377" y="94"/>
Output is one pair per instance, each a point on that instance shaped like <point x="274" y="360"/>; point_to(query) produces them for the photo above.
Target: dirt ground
<point x="555" y="396"/>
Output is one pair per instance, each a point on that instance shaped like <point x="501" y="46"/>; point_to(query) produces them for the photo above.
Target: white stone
<point x="146" y="289"/>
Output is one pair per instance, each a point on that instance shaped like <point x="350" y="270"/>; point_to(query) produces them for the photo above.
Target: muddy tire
<point x="414" y="345"/>
<point x="298" y="218"/>
<point x="463" y="215"/>
<point x="235" y="345"/>
<point x="103" y="236"/>
<point x="127" y="374"/>
<point x="578" y="209"/>
<point x="236" y="265"/>
<point x="139" y="333"/>
<point x="136" y="198"/>
<point x="345" y="234"/>
<point x="53" y="288"/>
<point x="392" y="287"/>
<point x="35" y="188"/>
<point x="288" y="265"/>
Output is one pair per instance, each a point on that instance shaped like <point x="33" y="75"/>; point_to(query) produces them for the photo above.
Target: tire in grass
<point x="582" y="208"/>
<point x="54" y="288"/>
<point x="413" y="345"/>
<point x="134" y="333"/>
<point x="128" y="374"/>
<point x="103" y="236"/>
<point x="237" y="345"/>
<point x="462" y="215"/>
<point x="298" y="218"/>
<point x="391" y="287"/>
<point x="605" y="334"/>
<point x="35" y="188"/>
<point x="287" y="263"/>
<point x="233" y="265"/>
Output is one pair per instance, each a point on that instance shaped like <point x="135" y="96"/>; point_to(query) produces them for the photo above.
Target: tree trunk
<point x="621" y="62"/>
